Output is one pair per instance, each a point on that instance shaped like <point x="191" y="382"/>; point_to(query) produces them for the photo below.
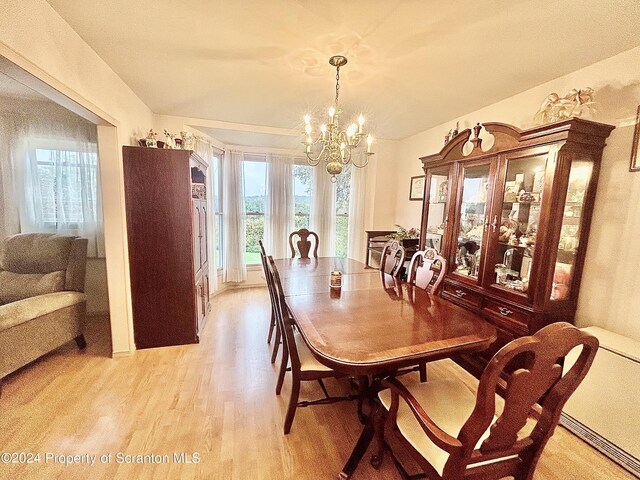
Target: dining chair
<point x="455" y="433"/>
<point x="304" y="366"/>
<point x="304" y="244"/>
<point x="273" y="325"/>
<point x="426" y="271"/>
<point x="392" y="258"/>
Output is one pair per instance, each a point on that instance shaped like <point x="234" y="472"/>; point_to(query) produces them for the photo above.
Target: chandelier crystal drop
<point x="333" y="146"/>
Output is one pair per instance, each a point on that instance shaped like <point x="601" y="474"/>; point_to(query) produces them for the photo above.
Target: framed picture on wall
<point x="416" y="191"/>
<point x="635" y="147"/>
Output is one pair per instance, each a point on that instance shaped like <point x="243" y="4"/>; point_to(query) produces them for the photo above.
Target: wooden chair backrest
<point x="304" y="244"/>
<point x="392" y="258"/>
<point x="282" y="316"/>
<point x="268" y="277"/>
<point x="427" y="270"/>
<point x="538" y="379"/>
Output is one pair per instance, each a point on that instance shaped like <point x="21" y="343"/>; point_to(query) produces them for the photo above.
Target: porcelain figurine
<point x="150" y="140"/>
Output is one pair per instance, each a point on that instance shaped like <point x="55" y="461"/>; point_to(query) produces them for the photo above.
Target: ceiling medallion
<point x="333" y="146"/>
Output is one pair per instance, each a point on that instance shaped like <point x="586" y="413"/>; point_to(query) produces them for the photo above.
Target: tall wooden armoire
<point x="166" y="206"/>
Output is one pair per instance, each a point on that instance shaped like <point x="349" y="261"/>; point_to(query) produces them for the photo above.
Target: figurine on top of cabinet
<point x="188" y="140"/>
<point x="573" y="104"/>
<point x="150" y="140"/>
<point x="451" y="134"/>
<point x="170" y="142"/>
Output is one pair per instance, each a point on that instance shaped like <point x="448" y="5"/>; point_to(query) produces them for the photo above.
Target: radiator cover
<point x="604" y="408"/>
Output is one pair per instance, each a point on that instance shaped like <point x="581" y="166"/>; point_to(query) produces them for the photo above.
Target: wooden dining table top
<point x="310" y="267"/>
<point x="375" y="323"/>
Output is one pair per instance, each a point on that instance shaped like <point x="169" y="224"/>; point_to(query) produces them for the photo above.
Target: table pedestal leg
<point x="361" y="446"/>
<point x="363" y="396"/>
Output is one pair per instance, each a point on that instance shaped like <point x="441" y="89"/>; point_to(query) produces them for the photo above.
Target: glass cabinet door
<point x="438" y="207"/>
<point x="579" y="179"/>
<point x="471" y="221"/>
<point x="515" y="225"/>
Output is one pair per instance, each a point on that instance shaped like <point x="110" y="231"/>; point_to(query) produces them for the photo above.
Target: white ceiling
<point x="413" y="64"/>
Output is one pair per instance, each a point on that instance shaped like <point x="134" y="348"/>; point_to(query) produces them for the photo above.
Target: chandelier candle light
<point x="338" y="147"/>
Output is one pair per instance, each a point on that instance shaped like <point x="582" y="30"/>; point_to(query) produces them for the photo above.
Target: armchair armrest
<point x="15" y="313"/>
<point x="438" y="436"/>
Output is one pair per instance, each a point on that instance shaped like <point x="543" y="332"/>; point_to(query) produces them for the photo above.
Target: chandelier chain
<point x="337" y="83"/>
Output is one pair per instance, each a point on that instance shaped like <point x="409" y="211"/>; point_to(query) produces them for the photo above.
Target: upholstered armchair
<point x="42" y="304"/>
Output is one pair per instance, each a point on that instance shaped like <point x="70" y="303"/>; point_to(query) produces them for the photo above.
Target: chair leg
<point x="324" y="389"/>
<point x="273" y="324"/>
<point x="293" y="403"/>
<point x="423" y="372"/>
<point x="81" y="342"/>
<point x="283" y="368"/>
<point x="276" y="344"/>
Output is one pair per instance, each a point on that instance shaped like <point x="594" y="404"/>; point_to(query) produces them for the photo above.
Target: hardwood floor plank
<point x="216" y="398"/>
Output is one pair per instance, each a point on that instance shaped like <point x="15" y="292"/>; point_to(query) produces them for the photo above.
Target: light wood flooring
<point x="216" y="398"/>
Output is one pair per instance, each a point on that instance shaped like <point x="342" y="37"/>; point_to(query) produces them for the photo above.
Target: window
<point x="217" y="207"/>
<point x="65" y="189"/>
<point x="255" y="188"/>
<point x="343" y="189"/>
<point x="302" y="181"/>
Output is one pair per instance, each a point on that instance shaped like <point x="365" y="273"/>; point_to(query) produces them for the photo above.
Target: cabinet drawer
<point x="461" y="293"/>
<point x="503" y="311"/>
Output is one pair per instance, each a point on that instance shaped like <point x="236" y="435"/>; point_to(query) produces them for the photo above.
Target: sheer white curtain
<point x="234" y="265"/>
<point x="323" y="211"/>
<point x="279" y="208"/>
<point x="12" y="136"/>
<point x="357" y="241"/>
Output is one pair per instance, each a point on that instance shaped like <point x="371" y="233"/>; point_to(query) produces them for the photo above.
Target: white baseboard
<point x="122" y="354"/>
<point x="622" y="458"/>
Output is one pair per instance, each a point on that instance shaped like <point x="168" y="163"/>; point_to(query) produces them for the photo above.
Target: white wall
<point x="609" y="295"/>
<point x="35" y="37"/>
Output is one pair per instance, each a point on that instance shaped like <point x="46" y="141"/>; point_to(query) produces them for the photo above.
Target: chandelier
<point x="336" y="147"/>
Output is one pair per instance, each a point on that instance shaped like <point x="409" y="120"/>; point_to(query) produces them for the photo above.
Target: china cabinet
<point x="166" y="205"/>
<point x="510" y="210"/>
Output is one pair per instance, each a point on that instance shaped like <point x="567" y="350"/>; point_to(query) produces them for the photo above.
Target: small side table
<point x="376" y="240"/>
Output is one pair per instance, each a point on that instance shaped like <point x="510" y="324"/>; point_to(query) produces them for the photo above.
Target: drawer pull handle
<point x="460" y="293"/>
<point x="505" y="311"/>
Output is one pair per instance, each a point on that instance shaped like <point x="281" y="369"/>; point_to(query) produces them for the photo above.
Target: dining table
<point x="373" y="326"/>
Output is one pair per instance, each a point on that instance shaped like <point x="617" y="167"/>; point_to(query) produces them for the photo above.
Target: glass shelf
<point x="514" y="246"/>
<point x="522" y="203"/>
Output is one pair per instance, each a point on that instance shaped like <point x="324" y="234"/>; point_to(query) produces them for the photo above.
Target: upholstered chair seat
<point x="307" y="361"/>
<point x="449" y="403"/>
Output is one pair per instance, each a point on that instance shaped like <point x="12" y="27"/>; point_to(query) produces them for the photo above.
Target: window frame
<point x="63" y="146"/>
